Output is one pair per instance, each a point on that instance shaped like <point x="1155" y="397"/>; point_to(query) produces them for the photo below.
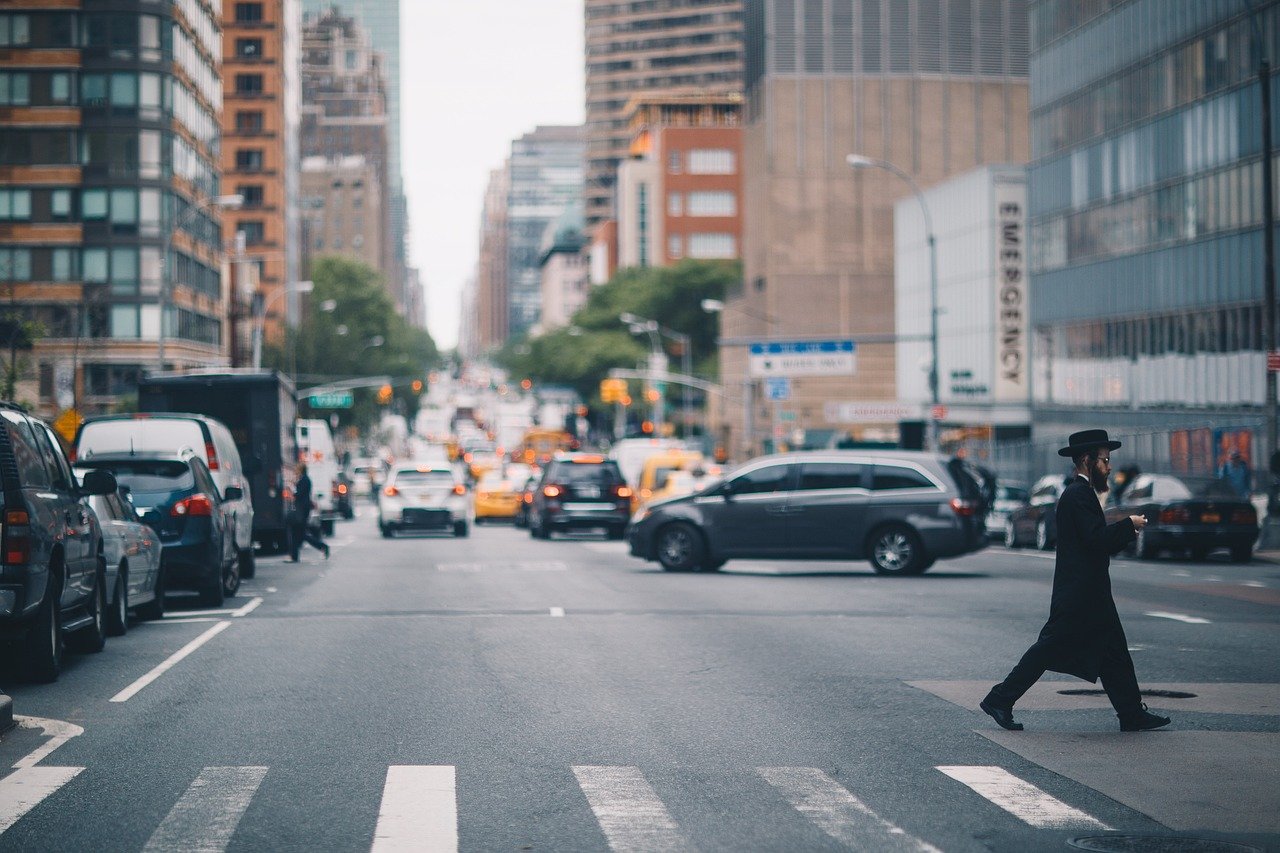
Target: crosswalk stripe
<point x="419" y="810"/>
<point x="839" y="813"/>
<point x="628" y="810"/>
<point x="23" y="789"/>
<point x="1022" y="799"/>
<point x="206" y="816"/>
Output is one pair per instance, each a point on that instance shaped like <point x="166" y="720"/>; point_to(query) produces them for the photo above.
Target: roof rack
<point x="14" y="407"/>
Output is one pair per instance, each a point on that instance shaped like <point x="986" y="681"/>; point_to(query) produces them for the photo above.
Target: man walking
<point x="299" y="530"/>
<point x="1235" y="471"/>
<point x="1083" y="636"/>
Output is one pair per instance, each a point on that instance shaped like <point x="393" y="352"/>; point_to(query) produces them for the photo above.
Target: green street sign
<point x="336" y="400"/>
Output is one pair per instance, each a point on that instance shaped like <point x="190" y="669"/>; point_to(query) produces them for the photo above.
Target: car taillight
<point x="622" y="491"/>
<point x="342" y="488"/>
<point x="459" y="489"/>
<point x="528" y="497"/>
<point x="551" y="491"/>
<point x="196" y="506"/>
<point x="964" y="508"/>
<point x="1175" y="515"/>
<point x="391" y="491"/>
<point x="212" y="453"/>
<point x="17" y="537"/>
<point x="71" y="454"/>
<point x="1248" y="515"/>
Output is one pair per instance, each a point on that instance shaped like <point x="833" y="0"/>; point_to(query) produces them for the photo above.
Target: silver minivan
<point x="171" y="432"/>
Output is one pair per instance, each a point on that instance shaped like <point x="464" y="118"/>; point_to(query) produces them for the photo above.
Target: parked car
<point x="170" y="433"/>
<point x="132" y="551"/>
<point x="366" y="476"/>
<point x="424" y="497"/>
<point x="52" y="563"/>
<point x="175" y="495"/>
<point x="1036" y="520"/>
<point x="902" y="510"/>
<point x="1007" y="499"/>
<point x="578" y="491"/>
<point x="1185" y="514"/>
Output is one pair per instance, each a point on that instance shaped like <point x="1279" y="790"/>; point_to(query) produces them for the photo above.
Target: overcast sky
<point x="475" y="75"/>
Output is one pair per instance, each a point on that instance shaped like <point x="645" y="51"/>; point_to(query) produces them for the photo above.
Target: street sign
<point x="1273" y="362"/>
<point x="938" y="413"/>
<point x="334" y="400"/>
<point x="67" y="424"/>
<point x="777" y="388"/>
<point x="869" y="411"/>
<point x="803" y="358"/>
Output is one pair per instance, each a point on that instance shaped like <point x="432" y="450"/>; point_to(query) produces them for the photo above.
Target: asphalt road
<point x="499" y="693"/>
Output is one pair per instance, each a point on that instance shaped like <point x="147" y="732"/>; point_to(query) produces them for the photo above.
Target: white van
<point x="165" y="432"/>
<point x="315" y="447"/>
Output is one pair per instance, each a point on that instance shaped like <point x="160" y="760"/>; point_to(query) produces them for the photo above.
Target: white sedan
<point x="132" y="552"/>
<point x="424" y="497"/>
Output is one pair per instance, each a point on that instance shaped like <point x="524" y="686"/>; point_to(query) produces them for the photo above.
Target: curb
<point x="6" y="714"/>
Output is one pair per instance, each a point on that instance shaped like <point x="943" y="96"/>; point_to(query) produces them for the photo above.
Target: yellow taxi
<point x="654" y="473"/>
<point x="499" y="493"/>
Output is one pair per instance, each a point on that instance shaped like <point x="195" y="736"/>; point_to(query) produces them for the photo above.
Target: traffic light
<point x="417" y="386"/>
<point x="613" y="390"/>
<point x="384" y="395"/>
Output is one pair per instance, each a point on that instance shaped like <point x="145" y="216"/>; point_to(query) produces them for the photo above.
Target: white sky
<point x="475" y="75"/>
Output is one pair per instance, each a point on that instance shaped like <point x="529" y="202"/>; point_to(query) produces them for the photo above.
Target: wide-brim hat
<point x="1086" y="440"/>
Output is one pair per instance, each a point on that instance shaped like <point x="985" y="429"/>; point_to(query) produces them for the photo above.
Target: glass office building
<point x="1145" y="200"/>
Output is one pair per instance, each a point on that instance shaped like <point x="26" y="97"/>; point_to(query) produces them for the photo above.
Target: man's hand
<point x="1139" y="521"/>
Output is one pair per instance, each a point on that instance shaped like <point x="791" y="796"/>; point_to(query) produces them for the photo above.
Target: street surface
<point x="498" y="693"/>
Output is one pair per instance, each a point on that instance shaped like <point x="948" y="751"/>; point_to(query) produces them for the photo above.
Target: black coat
<point x="1083" y="623"/>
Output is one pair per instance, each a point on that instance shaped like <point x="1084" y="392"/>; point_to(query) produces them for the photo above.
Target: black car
<point x="580" y="491"/>
<point x="902" y="510"/>
<point x="1186" y="514"/>
<point x="1036" y="521"/>
<point x="52" y="565"/>
<point x="176" y="496"/>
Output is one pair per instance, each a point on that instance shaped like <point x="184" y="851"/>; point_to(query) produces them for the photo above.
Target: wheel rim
<point x="1042" y="535"/>
<point x="677" y="547"/>
<point x="893" y="551"/>
<point x="1008" y="534"/>
<point x="232" y="578"/>
<point x="122" y="604"/>
<point x="1142" y="543"/>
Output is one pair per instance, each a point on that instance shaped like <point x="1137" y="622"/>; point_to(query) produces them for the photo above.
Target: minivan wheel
<point x="1042" y="536"/>
<point x="93" y="639"/>
<point x="679" y="547"/>
<point x="42" y="647"/>
<point x="214" y="593"/>
<point x="118" y="613"/>
<point x="1010" y="536"/>
<point x="897" y="550"/>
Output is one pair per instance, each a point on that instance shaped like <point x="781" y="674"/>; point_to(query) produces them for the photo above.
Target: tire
<point x="1144" y="548"/>
<point x="154" y="609"/>
<point x="896" y="550"/>
<point x="1010" y="535"/>
<point x="460" y="529"/>
<point x="326" y="526"/>
<point x="93" y="639"/>
<point x="1043" y="542"/>
<point x="42" y="647"/>
<point x="1199" y="554"/>
<point x="213" y="593"/>
<point x="231" y="578"/>
<point x="118" y="613"/>
<point x="538" y="531"/>
<point x="248" y="563"/>
<point x="1241" y="553"/>
<point x="386" y="531"/>
<point x="680" y="547"/>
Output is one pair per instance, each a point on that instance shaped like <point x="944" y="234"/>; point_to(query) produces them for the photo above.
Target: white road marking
<point x="419" y="810"/>
<point x="839" y="813"/>
<point x="340" y="543"/>
<point x="206" y="816"/>
<point x="1022" y="799"/>
<point x="58" y="732"/>
<point x="1182" y="573"/>
<point x="272" y="589"/>
<point x="628" y="810"/>
<point x="24" y="789"/>
<point x="178" y="620"/>
<point x="248" y="608"/>
<point x="132" y="690"/>
<point x="1255" y="584"/>
<point x="1180" y="617"/>
<point x="523" y="566"/>
<point x="557" y="611"/>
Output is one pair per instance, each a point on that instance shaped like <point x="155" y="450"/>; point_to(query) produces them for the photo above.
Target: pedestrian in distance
<point x="1235" y="472"/>
<point x="299" y="529"/>
<point x="1083" y="636"/>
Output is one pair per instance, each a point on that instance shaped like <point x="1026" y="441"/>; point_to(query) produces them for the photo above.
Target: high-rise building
<point x="1146" y="212"/>
<point x="934" y="88"/>
<point x="342" y="209"/>
<point x="108" y="159"/>
<point x="565" y="283"/>
<point x="260" y="158"/>
<point x="653" y="46"/>
<point x="546" y="177"/>
<point x="491" y="317"/>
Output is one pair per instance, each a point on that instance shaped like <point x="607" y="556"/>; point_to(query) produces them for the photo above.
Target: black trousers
<point x="300" y="531"/>
<point x="1115" y="670"/>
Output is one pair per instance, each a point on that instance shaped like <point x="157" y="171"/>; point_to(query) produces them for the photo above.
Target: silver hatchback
<point x="902" y="510"/>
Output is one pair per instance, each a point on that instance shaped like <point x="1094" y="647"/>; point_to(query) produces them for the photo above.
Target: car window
<point x="1169" y="489"/>
<point x="148" y="480"/>
<point x="888" y="478"/>
<point x="1141" y="491"/>
<point x="583" y="473"/>
<point x="102" y="508"/>
<point x="424" y="478"/>
<point x="832" y="475"/>
<point x="26" y="453"/>
<point x="59" y="473"/>
<point x="204" y="480"/>
<point x="127" y="512"/>
<point x="772" y="478"/>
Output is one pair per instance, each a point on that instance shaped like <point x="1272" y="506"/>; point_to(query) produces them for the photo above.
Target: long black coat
<point x="1083" y="623"/>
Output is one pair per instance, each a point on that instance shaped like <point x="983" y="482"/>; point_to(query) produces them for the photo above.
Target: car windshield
<point x="587" y="474"/>
<point x="424" y="478"/>
<point x="149" y="481"/>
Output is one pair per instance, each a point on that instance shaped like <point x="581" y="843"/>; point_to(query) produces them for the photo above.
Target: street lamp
<point x="857" y="161"/>
<point x="265" y="309"/>
<point x="636" y="325"/>
<point x="226" y="202"/>
<point x="718" y="306"/>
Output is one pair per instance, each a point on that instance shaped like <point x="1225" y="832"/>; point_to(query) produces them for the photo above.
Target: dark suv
<point x="580" y="490"/>
<point x="52" y="570"/>
<point x="902" y="510"/>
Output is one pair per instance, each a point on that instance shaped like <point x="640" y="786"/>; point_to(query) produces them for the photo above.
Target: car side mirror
<point x="728" y="490"/>
<point x="233" y="493"/>
<point x="99" y="482"/>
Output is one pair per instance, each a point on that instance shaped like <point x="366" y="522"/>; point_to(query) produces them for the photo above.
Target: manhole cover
<point x="1163" y="694"/>
<point x="1156" y="844"/>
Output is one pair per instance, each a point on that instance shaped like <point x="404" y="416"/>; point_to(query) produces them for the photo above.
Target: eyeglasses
<point x="1104" y="460"/>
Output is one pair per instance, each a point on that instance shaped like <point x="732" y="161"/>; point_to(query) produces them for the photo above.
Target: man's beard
<point x="1098" y="478"/>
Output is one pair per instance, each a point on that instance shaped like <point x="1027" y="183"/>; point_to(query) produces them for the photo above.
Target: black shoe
<point x="326" y="552"/>
<point x="1002" y="716"/>
<point x="1142" y="721"/>
<point x="293" y="559"/>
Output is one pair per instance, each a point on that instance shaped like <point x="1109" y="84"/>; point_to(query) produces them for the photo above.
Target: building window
<point x="15" y="264"/>
<point x="249" y="160"/>
<point x="254" y="232"/>
<point x="60" y="204"/>
<point x="248" y="84"/>
<point x="93" y="204"/>
<point x="249" y="121"/>
<point x="251" y="193"/>
<point x="713" y="246"/>
<point x="675" y="246"/>
<point x="674" y="162"/>
<point x="675" y="204"/>
<point x="124" y="271"/>
<point x="15" y="204"/>
<point x="95" y="265"/>
<point x="15" y="30"/>
<point x="124" y="321"/>
<point x="713" y="204"/>
<point x="357" y="241"/>
<point x="248" y="13"/>
<point x="249" y="48"/>
<point x="712" y="161"/>
<point x="15" y="89"/>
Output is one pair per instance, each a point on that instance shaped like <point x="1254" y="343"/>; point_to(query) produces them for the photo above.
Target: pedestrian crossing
<point x="419" y="806"/>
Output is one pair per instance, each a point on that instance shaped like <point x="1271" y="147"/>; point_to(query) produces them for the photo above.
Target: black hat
<point x="1087" y="439"/>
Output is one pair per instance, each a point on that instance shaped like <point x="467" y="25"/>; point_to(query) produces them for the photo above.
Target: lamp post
<point x="640" y="324"/>
<point x="227" y="202"/>
<point x="857" y="161"/>
<point x="262" y="308"/>
<point x="717" y="306"/>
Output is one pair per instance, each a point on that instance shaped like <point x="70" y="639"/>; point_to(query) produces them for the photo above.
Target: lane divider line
<point x="24" y="789"/>
<point x="253" y="605"/>
<point x="58" y="732"/>
<point x="557" y="611"/>
<point x="629" y="811"/>
<point x="419" y="812"/>
<point x="207" y="814"/>
<point x="173" y="659"/>
<point x="1022" y="799"/>
<point x="1178" y="617"/>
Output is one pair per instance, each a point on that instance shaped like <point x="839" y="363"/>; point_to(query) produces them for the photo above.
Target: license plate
<point x="1210" y="517"/>
<point x="572" y="507"/>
